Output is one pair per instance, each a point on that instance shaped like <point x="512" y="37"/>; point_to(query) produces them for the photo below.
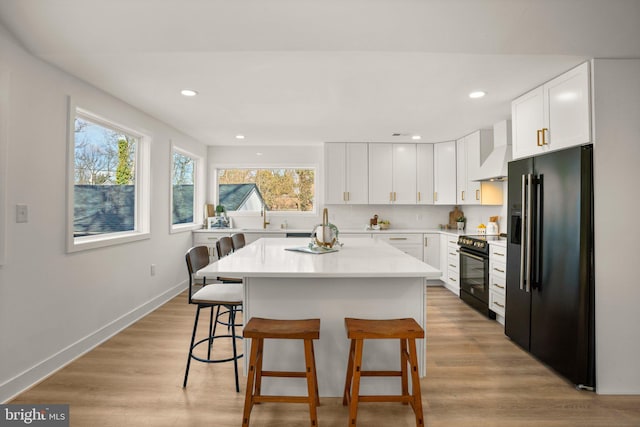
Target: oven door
<point x="474" y="275"/>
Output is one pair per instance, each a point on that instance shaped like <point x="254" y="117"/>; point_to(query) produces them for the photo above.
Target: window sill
<point x="86" y="243"/>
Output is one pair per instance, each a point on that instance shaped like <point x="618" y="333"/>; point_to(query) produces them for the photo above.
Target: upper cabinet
<point x="424" y="174"/>
<point x="553" y="116"/>
<point x="472" y="150"/>
<point x="346" y="173"/>
<point x="392" y="174"/>
<point x="444" y="173"/>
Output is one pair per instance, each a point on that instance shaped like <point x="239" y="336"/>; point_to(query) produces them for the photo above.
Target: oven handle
<point x="472" y="256"/>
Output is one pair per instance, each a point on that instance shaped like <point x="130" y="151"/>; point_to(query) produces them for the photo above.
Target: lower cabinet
<point x="252" y="237"/>
<point x="450" y="262"/>
<point x="431" y="253"/>
<point x="497" y="280"/>
<point x="410" y="244"/>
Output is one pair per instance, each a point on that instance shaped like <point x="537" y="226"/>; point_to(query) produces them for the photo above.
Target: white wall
<point x="54" y="305"/>
<point x="616" y="177"/>
<point x="344" y="216"/>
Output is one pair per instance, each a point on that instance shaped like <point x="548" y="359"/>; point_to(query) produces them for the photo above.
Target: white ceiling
<point x="306" y="71"/>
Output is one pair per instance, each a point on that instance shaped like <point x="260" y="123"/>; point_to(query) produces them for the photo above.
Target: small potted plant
<point x="460" y="222"/>
<point x="384" y="224"/>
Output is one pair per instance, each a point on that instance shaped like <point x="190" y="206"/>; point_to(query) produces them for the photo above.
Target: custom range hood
<point x="494" y="168"/>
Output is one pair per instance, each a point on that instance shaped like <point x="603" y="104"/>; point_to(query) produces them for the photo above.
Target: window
<point x="109" y="183"/>
<point x="280" y="189"/>
<point x="184" y="190"/>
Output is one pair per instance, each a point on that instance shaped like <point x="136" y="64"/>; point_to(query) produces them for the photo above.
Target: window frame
<point x="198" y="191"/>
<point x="248" y="214"/>
<point x="142" y="210"/>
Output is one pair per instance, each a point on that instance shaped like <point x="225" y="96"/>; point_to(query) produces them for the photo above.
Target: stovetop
<point x="479" y="242"/>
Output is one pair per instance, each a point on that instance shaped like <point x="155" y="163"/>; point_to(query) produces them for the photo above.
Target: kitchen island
<point x="364" y="278"/>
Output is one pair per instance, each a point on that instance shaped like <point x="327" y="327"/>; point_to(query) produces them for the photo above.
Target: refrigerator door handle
<point x="529" y="231"/>
<point x="523" y="242"/>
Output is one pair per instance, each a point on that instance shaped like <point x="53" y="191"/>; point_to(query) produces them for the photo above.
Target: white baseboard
<point x="39" y="372"/>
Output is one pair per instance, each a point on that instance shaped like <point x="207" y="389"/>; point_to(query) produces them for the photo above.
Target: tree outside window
<point x="104" y="195"/>
<point x="280" y="189"/>
<point x="183" y="185"/>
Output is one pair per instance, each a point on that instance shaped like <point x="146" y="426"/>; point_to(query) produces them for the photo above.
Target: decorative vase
<point x="460" y="226"/>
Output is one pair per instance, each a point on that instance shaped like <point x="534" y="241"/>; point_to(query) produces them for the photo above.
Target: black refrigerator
<point x="550" y="281"/>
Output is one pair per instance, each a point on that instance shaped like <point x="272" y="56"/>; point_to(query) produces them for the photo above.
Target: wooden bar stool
<point x="407" y="331"/>
<point x="258" y="329"/>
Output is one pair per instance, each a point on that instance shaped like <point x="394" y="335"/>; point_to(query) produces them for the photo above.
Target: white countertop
<point x="342" y="231"/>
<point x="357" y="258"/>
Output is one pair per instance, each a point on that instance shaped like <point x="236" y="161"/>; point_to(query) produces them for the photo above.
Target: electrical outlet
<point x="22" y="213"/>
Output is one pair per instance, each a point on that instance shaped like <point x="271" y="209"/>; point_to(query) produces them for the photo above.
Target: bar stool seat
<point x="405" y="330"/>
<point x="259" y="329"/>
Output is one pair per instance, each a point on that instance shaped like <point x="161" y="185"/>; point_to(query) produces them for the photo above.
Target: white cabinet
<point x="408" y="243"/>
<point x="497" y="280"/>
<point x="209" y="239"/>
<point x="444" y="173"/>
<point x="346" y="174"/>
<point x="553" y="116"/>
<point x="392" y="173"/>
<point x="471" y="151"/>
<point x="450" y="263"/>
<point x="431" y="252"/>
<point x="424" y="174"/>
<point x="432" y="249"/>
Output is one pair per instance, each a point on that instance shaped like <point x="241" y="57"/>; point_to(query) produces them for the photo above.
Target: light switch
<point x="22" y="213"/>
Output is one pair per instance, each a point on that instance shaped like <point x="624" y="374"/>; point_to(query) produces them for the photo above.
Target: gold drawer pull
<point x="498" y="286"/>
<point x="454" y="266"/>
<point x="397" y="238"/>
<point x="497" y="269"/>
<point x="498" y="254"/>
<point x="498" y="304"/>
<point x="452" y="279"/>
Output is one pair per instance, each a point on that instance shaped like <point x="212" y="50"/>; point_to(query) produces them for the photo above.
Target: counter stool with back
<point x="213" y="296"/>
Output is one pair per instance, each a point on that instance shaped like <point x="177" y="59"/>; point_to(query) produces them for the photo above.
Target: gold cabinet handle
<point x="426" y="242"/>
<point x="498" y="254"/>
<point x="498" y="304"/>
<point x="462" y="194"/>
<point x="498" y="286"/>
<point x="394" y="196"/>
<point x="348" y="196"/>
<point x="477" y="196"/>
<point x="452" y="279"/>
<point x="538" y="143"/>
<point x="418" y="196"/>
<point x="498" y="270"/>
<point x="391" y="196"/>
<point x="544" y="138"/>
<point x="451" y="265"/>
<point x="397" y="238"/>
<point x="435" y="196"/>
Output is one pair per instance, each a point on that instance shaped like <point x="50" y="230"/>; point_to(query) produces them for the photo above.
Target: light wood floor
<point x="475" y="377"/>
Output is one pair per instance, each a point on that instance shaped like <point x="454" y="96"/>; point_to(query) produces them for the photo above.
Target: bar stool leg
<point x="193" y="338"/>
<point x="346" y="397"/>
<point x="248" y="399"/>
<point x="415" y="384"/>
<point x="355" y="392"/>
<point x="311" y="383"/>
<point x="315" y="374"/>
<point x="260" y="346"/>
<point x="235" y="350"/>
<point x="404" y="360"/>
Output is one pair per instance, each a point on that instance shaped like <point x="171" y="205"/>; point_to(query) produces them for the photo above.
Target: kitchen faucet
<point x="264" y="216"/>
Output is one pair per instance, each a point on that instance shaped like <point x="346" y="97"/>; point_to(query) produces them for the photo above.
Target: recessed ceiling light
<point x="258" y="154"/>
<point x="188" y="92"/>
<point x="239" y="136"/>
<point x="477" y="94"/>
<point x="416" y="137"/>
